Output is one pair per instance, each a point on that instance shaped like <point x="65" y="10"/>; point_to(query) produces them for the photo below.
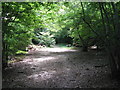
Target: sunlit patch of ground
<point x="43" y="75"/>
<point x="58" y="50"/>
<point x="59" y="68"/>
<point x="39" y="59"/>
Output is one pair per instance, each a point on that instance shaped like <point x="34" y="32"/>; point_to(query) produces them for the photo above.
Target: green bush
<point x="44" y="38"/>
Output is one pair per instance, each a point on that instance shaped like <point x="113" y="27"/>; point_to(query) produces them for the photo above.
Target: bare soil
<point x="60" y="68"/>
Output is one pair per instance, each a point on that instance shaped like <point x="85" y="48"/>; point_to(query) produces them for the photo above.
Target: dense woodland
<point x="81" y="24"/>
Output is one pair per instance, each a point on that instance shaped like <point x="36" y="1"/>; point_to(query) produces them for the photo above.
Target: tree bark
<point x="4" y="46"/>
<point x="84" y="44"/>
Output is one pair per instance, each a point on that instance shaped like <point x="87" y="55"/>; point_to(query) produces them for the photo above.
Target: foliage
<point x="43" y="37"/>
<point x="53" y="22"/>
<point x="21" y="52"/>
<point x="18" y="20"/>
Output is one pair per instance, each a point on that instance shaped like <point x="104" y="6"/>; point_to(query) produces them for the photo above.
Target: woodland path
<point x="59" y="68"/>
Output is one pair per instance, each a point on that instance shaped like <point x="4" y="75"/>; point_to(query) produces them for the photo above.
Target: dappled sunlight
<point x="27" y="60"/>
<point x="39" y="60"/>
<point x="94" y="47"/>
<point x="42" y="59"/>
<point x="47" y="73"/>
<point x="58" y="50"/>
<point x="43" y="75"/>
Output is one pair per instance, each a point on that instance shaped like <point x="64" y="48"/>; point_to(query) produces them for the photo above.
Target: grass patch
<point x="20" y="52"/>
<point x="20" y="55"/>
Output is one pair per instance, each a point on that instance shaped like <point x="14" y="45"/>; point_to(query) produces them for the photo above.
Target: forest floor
<point x="60" y="67"/>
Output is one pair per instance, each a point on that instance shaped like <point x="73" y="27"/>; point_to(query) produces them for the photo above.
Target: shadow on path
<point x="59" y="68"/>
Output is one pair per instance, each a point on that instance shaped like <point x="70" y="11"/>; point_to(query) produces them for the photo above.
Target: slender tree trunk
<point x="117" y="30"/>
<point x="4" y="56"/>
<point x="89" y="25"/>
<point x="84" y="44"/>
<point x="108" y="44"/>
<point x="103" y="20"/>
<point x="113" y="65"/>
<point x="4" y="46"/>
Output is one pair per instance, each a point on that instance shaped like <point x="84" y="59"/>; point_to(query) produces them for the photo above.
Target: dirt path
<point x="59" y="68"/>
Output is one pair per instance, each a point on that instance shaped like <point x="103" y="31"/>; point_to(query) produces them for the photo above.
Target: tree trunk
<point x="4" y="56"/>
<point x="85" y="48"/>
<point x="118" y="60"/>
<point x="84" y="44"/>
<point x="113" y="58"/>
<point x="112" y="61"/>
<point x="117" y="31"/>
<point x="4" y="46"/>
<point x="113" y="65"/>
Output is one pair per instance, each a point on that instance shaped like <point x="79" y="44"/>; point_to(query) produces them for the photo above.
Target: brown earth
<point x="60" y="68"/>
